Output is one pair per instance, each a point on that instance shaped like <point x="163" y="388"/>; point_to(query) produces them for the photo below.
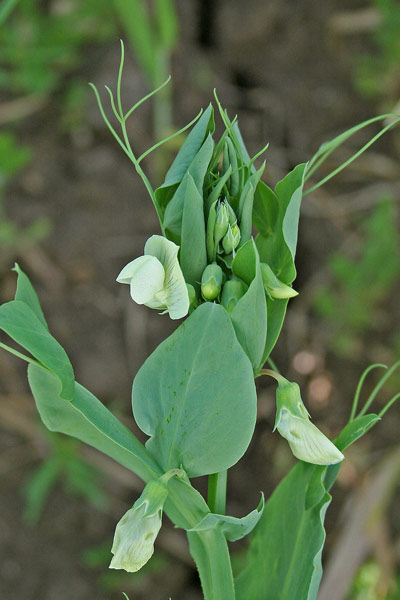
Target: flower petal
<point x="176" y="293"/>
<point x="134" y="538"/>
<point x="146" y="277"/>
<point x="306" y="441"/>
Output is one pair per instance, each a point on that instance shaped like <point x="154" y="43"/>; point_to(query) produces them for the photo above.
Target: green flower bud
<point x="210" y="245"/>
<point x="273" y="286"/>
<point x="211" y="281"/>
<point x="232" y="215"/>
<point x="232" y="291"/>
<point x="292" y="421"/>
<point x="231" y="239"/>
<point x="221" y="223"/>
<point x="136" y="532"/>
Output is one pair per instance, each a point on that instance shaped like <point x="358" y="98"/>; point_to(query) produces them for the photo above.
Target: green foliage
<point x="87" y="419"/>
<point x="249" y="317"/>
<point x="195" y="395"/>
<point x="366" y="584"/>
<point x="197" y="401"/>
<point x="38" y="47"/>
<point x="64" y="466"/>
<point x="284" y="557"/>
<point x="360" y="284"/>
<point x="288" y="565"/>
<point x="377" y="73"/>
<point x="12" y="156"/>
<point x="233" y="528"/>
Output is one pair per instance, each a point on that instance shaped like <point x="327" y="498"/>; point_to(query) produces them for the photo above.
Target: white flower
<point x="156" y="279"/>
<point x="306" y="441"/>
<point x="136" y="532"/>
<point x="134" y="538"/>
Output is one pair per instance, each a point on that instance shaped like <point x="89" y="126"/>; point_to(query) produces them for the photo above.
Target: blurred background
<point x="73" y="213"/>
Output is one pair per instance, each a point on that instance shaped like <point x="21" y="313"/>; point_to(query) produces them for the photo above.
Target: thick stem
<point x="217" y="492"/>
<point x="209" y="549"/>
<point x="210" y="552"/>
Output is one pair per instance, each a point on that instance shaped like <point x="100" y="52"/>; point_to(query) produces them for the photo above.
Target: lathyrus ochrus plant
<point x="195" y="396"/>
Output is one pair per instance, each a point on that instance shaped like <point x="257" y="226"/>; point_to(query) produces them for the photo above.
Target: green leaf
<point x="276" y="310"/>
<point x="195" y="396"/>
<point x="87" y="419"/>
<point x="349" y="434"/>
<point x="355" y="429"/>
<point x="185" y="156"/>
<point x="38" y="487"/>
<point x="23" y="326"/>
<point x="26" y="293"/>
<point x="284" y="558"/>
<point x="249" y="317"/>
<point x="232" y="527"/>
<point x="278" y="249"/>
<point x="265" y="209"/>
<point x="241" y="145"/>
<point x="197" y="170"/>
<point x="193" y="254"/>
<point x="285" y="554"/>
<point x="6" y="8"/>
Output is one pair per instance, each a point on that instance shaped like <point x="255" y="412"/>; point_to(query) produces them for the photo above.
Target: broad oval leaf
<point x="195" y="396"/>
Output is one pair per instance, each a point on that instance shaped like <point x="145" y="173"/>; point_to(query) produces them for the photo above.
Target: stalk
<point x="210" y="552"/>
<point x="217" y="492"/>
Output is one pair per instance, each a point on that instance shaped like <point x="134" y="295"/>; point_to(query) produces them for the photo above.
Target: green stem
<point x="210" y="551"/>
<point x="217" y="492"/>
<point x="209" y="548"/>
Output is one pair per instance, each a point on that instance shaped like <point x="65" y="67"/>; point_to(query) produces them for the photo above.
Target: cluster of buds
<point x="157" y="279"/>
<point x="223" y="232"/>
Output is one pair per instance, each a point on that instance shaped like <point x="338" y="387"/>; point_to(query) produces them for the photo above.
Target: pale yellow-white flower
<point x="136" y="532"/>
<point x="156" y="279"/>
<point x="306" y="441"/>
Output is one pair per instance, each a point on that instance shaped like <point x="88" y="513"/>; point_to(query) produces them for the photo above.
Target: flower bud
<point x="273" y="286"/>
<point x="211" y="281"/>
<point x="232" y="215"/>
<point x="231" y="239"/>
<point x="232" y="291"/>
<point x="221" y="223"/>
<point x="136" y="532"/>
<point x="156" y="279"/>
<point x="306" y="441"/>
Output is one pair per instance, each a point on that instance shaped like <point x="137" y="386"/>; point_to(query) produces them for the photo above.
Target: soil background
<point x="286" y="72"/>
